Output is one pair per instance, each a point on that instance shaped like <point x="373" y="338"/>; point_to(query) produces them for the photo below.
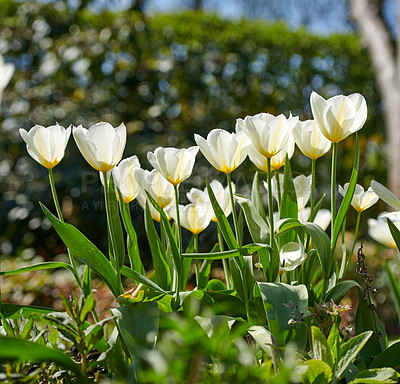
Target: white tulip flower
<point x="302" y="186"/>
<point x="380" y="232"/>
<point x="339" y="116"/>
<point x="155" y="215"/>
<point x="175" y="165"/>
<point x="269" y="134"/>
<point x="124" y="178"/>
<point x="195" y="217"/>
<point x="156" y="185"/>
<point x="101" y="145"/>
<point x="291" y="256"/>
<point x="6" y="73"/>
<point x="221" y="194"/>
<point x="322" y="218"/>
<point x="224" y="150"/>
<point x="310" y="140"/>
<point x="46" y="145"/>
<point x="277" y="161"/>
<point x="362" y="200"/>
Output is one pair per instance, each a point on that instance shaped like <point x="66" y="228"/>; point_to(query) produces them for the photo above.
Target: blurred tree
<point x="384" y="50"/>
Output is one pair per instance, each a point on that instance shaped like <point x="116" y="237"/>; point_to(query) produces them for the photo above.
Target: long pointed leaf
<point x="85" y="251"/>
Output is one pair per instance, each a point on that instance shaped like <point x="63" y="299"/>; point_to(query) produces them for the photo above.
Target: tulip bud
<point x="46" y="145"/>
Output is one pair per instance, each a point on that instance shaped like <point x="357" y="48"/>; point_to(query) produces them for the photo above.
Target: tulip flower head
<point x="322" y="218"/>
<point x="339" y="116"/>
<point x="311" y="142"/>
<point x="156" y="185"/>
<point x="6" y="72"/>
<point x="124" y="178"/>
<point x="277" y="161"/>
<point x="291" y="256"/>
<point x="221" y="194"/>
<point x="379" y="229"/>
<point x="225" y="151"/>
<point x="362" y="200"/>
<point x="101" y="145"/>
<point x="302" y="186"/>
<point x="46" y="145"/>
<point x="155" y="215"/>
<point x="175" y="165"/>
<point x="269" y="134"/>
<point x="195" y="217"/>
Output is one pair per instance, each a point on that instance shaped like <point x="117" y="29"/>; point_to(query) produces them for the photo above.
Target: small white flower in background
<point x="46" y="145"/>
<point x="195" y="217"/>
<point x="339" y="116"/>
<point x="124" y="178"/>
<point x="101" y="145"/>
<point x="268" y="133"/>
<point x="277" y="161"/>
<point x="175" y="165"/>
<point x="302" y="186"/>
<point x="291" y="256"/>
<point x="6" y="73"/>
<point x="221" y="194"/>
<point x="225" y="151"/>
<point x="322" y="218"/>
<point x="156" y="185"/>
<point x="362" y="200"/>
<point x="311" y="142"/>
<point x="142" y="199"/>
<point x="379" y="229"/>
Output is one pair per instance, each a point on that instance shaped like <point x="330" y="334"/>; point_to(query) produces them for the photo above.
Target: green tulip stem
<point x="333" y="187"/>
<point x="278" y="186"/>
<point x="270" y="208"/>
<point x="353" y="246"/>
<point x="313" y="162"/>
<point x="61" y="218"/>
<point x="110" y="230"/>
<point x="235" y="219"/>
<point x="196" y="250"/>
<point x="224" y="261"/>
<point x="178" y="219"/>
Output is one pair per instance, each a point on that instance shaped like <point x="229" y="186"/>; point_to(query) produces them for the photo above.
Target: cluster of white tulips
<point x="267" y="140"/>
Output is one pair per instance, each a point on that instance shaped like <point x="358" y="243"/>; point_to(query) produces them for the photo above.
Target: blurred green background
<point x="166" y="76"/>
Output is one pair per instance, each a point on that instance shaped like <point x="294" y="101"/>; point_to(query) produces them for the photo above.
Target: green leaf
<point x="390" y="357"/>
<point x="258" y="228"/>
<point x="288" y="206"/>
<point x="321" y="349"/>
<point x="376" y="376"/>
<point x="264" y="339"/>
<point x="222" y="220"/>
<point x="321" y="242"/>
<point x="256" y="197"/>
<point x="115" y="226"/>
<point x="318" y="372"/>
<point x="204" y="274"/>
<point x="384" y="194"/>
<point x="131" y="243"/>
<point x="136" y="276"/>
<point x="12" y="311"/>
<point x="138" y="325"/>
<point x="278" y="299"/>
<point x="26" y="351"/>
<point x="85" y="251"/>
<point x="341" y="215"/>
<point x="395" y="288"/>
<point x="41" y="266"/>
<point x="349" y="351"/>
<point x="170" y="236"/>
<point x="368" y="320"/>
<point x="161" y="268"/>
<point x="339" y="290"/>
<point x="216" y="322"/>
<point x="395" y="233"/>
<point x="87" y="282"/>
<point x="334" y="341"/>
